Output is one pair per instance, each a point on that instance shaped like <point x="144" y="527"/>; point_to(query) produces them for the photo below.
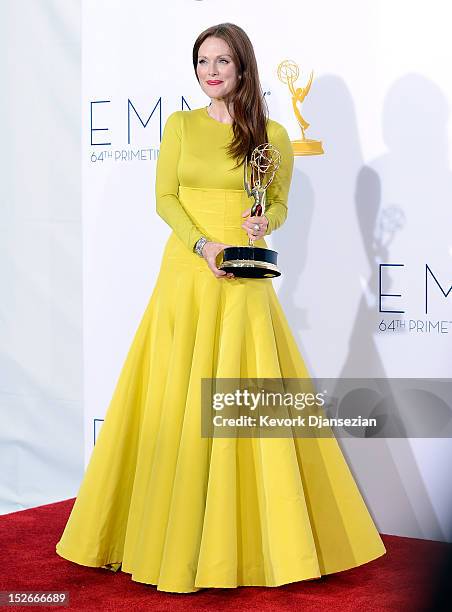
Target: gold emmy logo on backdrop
<point x="288" y="73"/>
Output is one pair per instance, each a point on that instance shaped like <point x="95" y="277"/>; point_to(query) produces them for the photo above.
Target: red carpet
<point x="400" y="580"/>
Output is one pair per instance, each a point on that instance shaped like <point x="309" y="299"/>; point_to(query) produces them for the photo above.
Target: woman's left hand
<point x="248" y="225"/>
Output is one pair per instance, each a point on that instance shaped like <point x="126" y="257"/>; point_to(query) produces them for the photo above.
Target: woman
<point x="158" y="500"/>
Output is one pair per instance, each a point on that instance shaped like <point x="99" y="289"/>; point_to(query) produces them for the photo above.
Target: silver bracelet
<point x="199" y="245"/>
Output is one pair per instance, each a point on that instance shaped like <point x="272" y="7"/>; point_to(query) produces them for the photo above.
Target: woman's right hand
<point x="210" y="251"/>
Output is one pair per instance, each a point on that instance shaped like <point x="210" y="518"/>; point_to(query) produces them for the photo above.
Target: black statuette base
<point x="250" y="262"/>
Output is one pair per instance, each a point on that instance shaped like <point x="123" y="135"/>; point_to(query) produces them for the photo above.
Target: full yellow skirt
<point x="184" y="512"/>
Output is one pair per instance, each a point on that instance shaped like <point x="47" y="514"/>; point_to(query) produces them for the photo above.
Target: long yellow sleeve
<point x="193" y="154"/>
<point x="168" y="205"/>
<point x="278" y="191"/>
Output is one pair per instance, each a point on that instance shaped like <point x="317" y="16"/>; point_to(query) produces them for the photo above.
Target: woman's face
<point x="216" y="70"/>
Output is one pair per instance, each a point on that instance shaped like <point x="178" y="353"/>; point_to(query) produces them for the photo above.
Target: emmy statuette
<point x="250" y="261"/>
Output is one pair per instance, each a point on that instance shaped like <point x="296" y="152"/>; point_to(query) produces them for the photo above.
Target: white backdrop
<point x="41" y="410"/>
<point x="380" y="194"/>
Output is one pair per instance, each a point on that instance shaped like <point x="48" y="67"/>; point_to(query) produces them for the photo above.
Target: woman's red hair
<point x="248" y="101"/>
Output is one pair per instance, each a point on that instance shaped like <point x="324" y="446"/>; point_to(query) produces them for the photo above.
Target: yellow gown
<point x="162" y="503"/>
